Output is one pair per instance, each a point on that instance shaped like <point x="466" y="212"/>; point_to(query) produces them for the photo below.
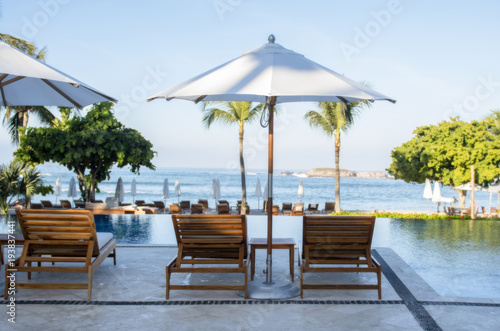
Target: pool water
<point x="456" y="257"/>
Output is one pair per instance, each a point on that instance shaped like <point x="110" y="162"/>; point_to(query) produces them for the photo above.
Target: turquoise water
<point x="456" y="257"/>
<point x="356" y="193"/>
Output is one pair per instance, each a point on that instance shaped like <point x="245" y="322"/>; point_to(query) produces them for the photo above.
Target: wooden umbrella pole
<point x="269" y="261"/>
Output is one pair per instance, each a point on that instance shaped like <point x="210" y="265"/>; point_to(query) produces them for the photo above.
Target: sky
<point x="437" y="59"/>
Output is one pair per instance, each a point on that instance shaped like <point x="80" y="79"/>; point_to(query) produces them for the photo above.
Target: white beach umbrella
<point x="428" y="191"/>
<point x="166" y="191"/>
<point x="258" y="192"/>
<point x="495" y="189"/>
<point x="25" y="81"/>
<point x="57" y="188"/>
<point x="215" y="192"/>
<point x="436" y="195"/>
<point x="467" y="187"/>
<point x="300" y="192"/>
<point x="119" y="192"/>
<point x="133" y="190"/>
<point x="72" y="189"/>
<point x="177" y="189"/>
<point x="270" y="74"/>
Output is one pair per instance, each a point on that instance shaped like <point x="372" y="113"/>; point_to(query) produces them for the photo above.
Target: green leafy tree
<point x="88" y="146"/>
<point x="446" y="152"/>
<point x="334" y="118"/>
<point x="233" y="112"/>
<point x="18" y="116"/>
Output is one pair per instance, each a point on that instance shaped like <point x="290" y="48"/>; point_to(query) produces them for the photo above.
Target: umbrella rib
<point x="76" y="104"/>
<point x="3" y="96"/>
<point x="13" y="80"/>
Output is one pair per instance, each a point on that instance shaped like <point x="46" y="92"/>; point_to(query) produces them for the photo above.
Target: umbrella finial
<point x="271" y="39"/>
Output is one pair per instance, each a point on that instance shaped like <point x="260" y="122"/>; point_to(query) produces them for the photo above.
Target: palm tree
<point x="332" y="119"/>
<point x="30" y="183"/>
<point x="17" y="117"/>
<point x="9" y="175"/>
<point x="239" y="112"/>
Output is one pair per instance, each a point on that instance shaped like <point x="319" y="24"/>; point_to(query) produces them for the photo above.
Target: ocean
<point x="196" y="183"/>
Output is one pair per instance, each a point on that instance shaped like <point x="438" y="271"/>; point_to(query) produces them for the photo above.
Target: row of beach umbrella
<point x="215" y="192"/>
<point x="437" y="198"/>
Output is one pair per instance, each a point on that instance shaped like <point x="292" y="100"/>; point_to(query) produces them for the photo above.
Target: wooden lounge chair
<point x="174" y="208"/>
<point x="329" y="207"/>
<point x="196" y="208"/>
<point x="66" y="204"/>
<point x="222" y="209"/>
<point x="238" y="209"/>
<point x="48" y="204"/>
<point x="493" y="212"/>
<point x="298" y="209"/>
<point x="287" y="208"/>
<point x="276" y="210"/>
<point x="209" y="240"/>
<point x="312" y="208"/>
<point x="185" y="205"/>
<point x="341" y="242"/>
<point x="60" y="236"/>
<point x="160" y="205"/>
<point x="203" y="203"/>
<point x="80" y="204"/>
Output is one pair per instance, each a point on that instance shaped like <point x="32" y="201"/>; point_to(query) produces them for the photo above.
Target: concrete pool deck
<point x="131" y="295"/>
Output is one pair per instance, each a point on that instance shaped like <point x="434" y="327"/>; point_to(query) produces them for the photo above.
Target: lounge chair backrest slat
<point x="335" y="234"/>
<point x="76" y="225"/>
<point x="209" y="230"/>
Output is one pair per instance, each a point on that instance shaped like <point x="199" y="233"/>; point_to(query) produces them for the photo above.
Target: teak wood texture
<point x="60" y="236"/>
<point x="334" y="244"/>
<point x="209" y="240"/>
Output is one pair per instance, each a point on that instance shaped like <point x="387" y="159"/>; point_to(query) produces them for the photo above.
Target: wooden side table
<point x="278" y="243"/>
<point x="4" y="240"/>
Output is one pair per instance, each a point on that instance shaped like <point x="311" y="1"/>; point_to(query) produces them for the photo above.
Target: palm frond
<point x="44" y="115"/>
<point x="319" y="121"/>
<point x="13" y="125"/>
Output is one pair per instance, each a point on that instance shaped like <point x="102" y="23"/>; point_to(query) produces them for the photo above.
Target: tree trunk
<point x="461" y="198"/>
<point x="242" y="170"/>
<point x="337" y="173"/>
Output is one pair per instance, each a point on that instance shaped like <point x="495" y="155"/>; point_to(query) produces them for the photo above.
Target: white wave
<point x="251" y="174"/>
<point x="300" y="175"/>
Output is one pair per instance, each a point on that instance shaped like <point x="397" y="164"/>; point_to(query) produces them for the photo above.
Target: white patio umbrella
<point x="57" y="188"/>
<point x="271" y="74"/>
<point x="166" y="191"/>
<point x="72" y="189"/>
<point x="436" y="195"/>
<point x="428" y="192"/>
<point x="133" y="190"/>
<point x="215" y="190"/>
<point x="495" y="189"/>
<point x="265" y="195"/>
<point x="300" y="192"/>
<point x="258" y="192"/>
<point x="119" y="192"/>
<point x="177" y="189"/>
<point x="25" y="81"/>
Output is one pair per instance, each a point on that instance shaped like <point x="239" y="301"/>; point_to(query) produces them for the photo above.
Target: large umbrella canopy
<point x="270" y="71"/>
<point x="216" y="189"/>
<point x="494" y="189"/>
<point x="57" y="188"/>
<point x="25" y="81"/>
<point x="72" y="189"/>
<point x="119" y="192"/>
<point x="300" y="192"/>
<point x="270" y="74"/>
<point x="133" y="188"/>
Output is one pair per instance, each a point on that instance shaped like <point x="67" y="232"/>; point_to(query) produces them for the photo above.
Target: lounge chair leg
<point x="29" y="273"/>
<point x="302" y="282"/>
<point x="114" y="256"/>
<point x="168" y="284"/>
<point x="379" y="278"/>
<point x="89" y="294"/>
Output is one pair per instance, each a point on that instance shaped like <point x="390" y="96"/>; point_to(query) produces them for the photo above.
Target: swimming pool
<point x="456" y="257"/>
